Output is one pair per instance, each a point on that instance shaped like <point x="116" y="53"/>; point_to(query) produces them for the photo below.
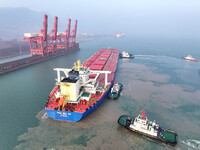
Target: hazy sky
<point x="139" y="17"/>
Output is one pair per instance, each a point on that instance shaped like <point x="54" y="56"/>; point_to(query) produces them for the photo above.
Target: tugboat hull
<point x="123" y="121"/>
<point x="131" y="57"/>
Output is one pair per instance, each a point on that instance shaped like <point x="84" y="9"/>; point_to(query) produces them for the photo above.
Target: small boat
<point x="115" y="91"/>
<point x="189" y="57"/>
<point x="119" y="35"/>
<point x="142" y="126"/>
<point x="125" y="54"/>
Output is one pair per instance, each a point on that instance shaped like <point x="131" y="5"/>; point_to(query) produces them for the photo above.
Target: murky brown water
<point x="164" y="101"/>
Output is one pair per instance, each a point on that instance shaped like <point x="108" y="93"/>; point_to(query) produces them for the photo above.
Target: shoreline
<point x="79" y="40"/>
<point x="14" y="55"/>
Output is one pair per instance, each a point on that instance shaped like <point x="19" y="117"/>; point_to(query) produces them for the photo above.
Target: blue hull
<point x="74" y="116"/>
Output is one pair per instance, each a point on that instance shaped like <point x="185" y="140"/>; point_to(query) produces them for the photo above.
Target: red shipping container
<point x="96" y="67"/>
<point x="102" y="59"/>
<point x="99" y="62"/>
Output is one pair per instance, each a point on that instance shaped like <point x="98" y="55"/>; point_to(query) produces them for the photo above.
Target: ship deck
<point x="169" y="135"/>
<point x="104" y="59"/>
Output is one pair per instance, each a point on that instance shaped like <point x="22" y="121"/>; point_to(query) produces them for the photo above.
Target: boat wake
<point x="191" y="143"/>
<point x="157" y="57"/>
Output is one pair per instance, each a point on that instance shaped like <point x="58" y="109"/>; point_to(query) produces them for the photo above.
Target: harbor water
<point x="157" y="80"/>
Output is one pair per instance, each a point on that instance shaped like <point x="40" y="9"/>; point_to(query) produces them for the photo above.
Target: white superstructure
<point x="76" y="85"/>
<point x="189" y="57"/>
<point x="115" y="88"/>
<point x="125" y="54"/>
<point x="142" y="124"/>
<point x="119" y="35"/>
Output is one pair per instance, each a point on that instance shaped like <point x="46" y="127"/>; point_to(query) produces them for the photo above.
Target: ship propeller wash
<point x="84" y="87"/>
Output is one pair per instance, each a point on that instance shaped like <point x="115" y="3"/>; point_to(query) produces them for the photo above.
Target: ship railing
<point x="54" y="90"/>
<point x="74" y="102"/>
<point x="101" y="89"/>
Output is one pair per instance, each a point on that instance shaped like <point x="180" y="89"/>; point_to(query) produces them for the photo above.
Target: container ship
<point x="84" y="87"/>
<point x="142" y="126"/>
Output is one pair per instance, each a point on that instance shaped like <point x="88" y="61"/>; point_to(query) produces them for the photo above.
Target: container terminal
<point x="44" y="45"/>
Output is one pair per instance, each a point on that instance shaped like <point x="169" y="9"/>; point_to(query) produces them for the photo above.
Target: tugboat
<point x="119" y="35"/>
<point x="115" y="91"/>
<point x="125" y="54"/>
<point x="142" y="126"/>
<point x="189" y="57"/>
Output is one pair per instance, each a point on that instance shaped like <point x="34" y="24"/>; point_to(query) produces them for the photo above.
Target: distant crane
<point x="45" y="44"/>
<point x="38" y="41"/>
<point x="63" y="37"/>
<point x="73" y="35"/>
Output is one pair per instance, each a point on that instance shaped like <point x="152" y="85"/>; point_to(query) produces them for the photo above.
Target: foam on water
<point x="162" y="58"/>
<point x="192" y="143"/>
<point x="45" y="116"/>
